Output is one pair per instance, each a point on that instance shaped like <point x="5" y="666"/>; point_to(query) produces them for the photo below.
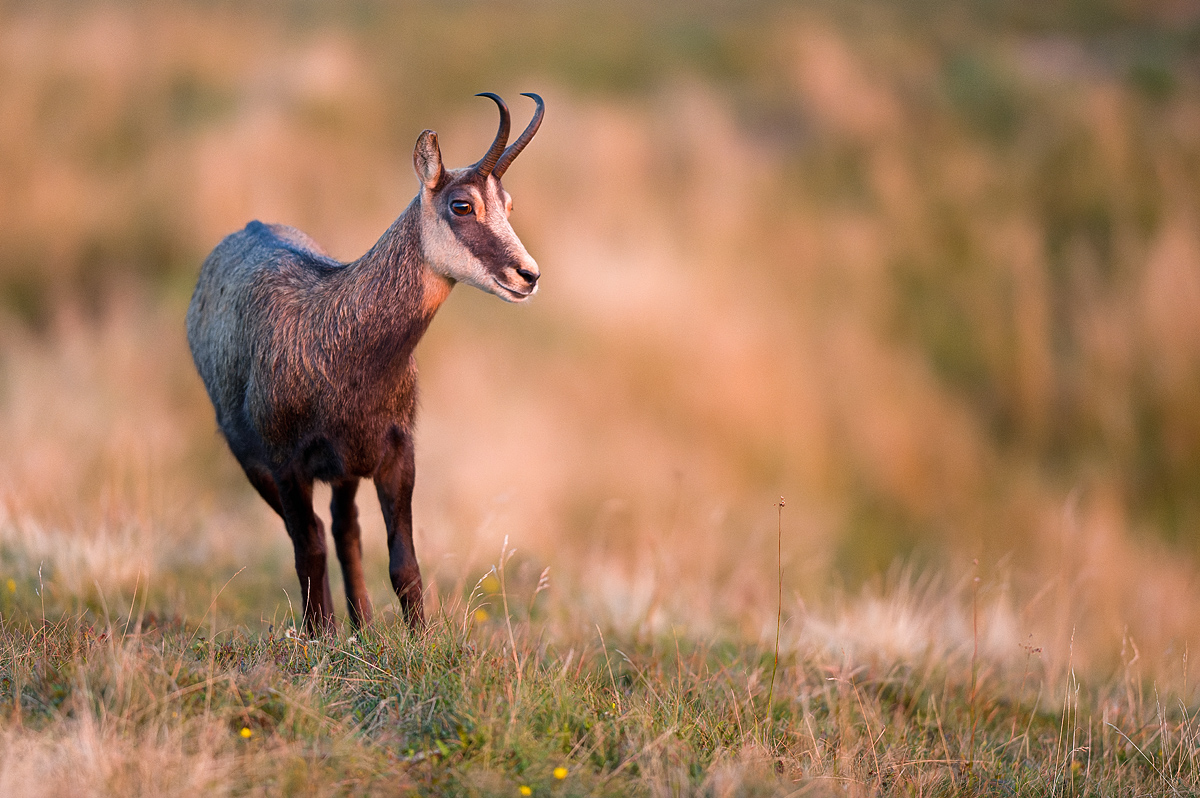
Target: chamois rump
<point x="309" y="361"/>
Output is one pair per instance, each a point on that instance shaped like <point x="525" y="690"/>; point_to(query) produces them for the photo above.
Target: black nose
<point x="528" y="276"/>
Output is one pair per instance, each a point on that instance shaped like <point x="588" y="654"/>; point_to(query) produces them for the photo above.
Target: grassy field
<point x="498" y="698"/>
<point x="927" y="270"/>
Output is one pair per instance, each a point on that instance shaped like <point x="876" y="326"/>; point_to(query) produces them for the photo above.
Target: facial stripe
<point x="487" y="246"/>
<point x="493" y="240"/>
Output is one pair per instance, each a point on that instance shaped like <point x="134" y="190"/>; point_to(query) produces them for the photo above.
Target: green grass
<point x="459" y="710"/>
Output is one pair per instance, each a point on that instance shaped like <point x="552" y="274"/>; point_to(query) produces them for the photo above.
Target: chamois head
<point x="465" y="232"/>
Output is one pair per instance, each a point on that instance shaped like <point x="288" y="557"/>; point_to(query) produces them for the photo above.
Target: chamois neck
<point x="381" y="304"/>
<point x="397" y="265"/>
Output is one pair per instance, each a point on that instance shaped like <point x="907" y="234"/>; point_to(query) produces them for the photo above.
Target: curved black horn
<point x="485" y="166"/>
<point x="515" y="149"/>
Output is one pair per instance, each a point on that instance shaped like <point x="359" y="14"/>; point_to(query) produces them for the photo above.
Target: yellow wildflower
<point x="525" y="789"/>
<point x="12" y="585"/>
<point x="246" y="733"/>
<point x="560" y="773"/>
<point x="481" y="615"/>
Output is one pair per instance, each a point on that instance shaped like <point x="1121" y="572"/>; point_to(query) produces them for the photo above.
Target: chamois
<point x="309" y="361"/>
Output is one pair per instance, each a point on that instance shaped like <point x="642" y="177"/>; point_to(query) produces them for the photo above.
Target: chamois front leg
<point x="347" y="538"/>
<point x="394" y="483"/>
<point x="260" y="477"/>
<point x="308" y="542"/>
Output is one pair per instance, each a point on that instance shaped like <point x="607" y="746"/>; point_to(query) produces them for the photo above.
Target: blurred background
<point x="929" y="270"/>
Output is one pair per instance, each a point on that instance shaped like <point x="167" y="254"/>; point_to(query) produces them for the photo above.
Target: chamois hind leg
<point x="394" y="484"/>
<point x="347" y="538"/>
<point x="308" y="542"/>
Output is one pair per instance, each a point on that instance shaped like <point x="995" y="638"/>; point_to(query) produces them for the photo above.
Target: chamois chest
<point x="335" y="413"/>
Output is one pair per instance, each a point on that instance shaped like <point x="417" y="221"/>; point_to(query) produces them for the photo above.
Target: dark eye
<point x="461" y="208"/>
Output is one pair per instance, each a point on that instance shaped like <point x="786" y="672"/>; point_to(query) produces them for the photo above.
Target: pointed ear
<point x="427" y="160"/>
